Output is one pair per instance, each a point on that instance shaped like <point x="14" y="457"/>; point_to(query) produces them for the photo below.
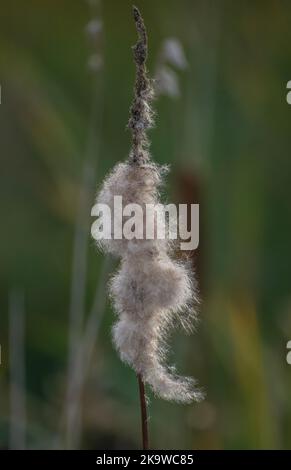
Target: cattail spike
<point x="151" y="290"/>
<point x="141" y="48"/>
<point x="141" y="115"/>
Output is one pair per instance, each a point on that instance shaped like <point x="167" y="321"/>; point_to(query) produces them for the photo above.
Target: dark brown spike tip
<point x="141" y="116"/>
<point x="140" y="49"/>
<point x="136" y="13"/>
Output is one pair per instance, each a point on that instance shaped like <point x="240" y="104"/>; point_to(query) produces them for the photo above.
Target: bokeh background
<point x="223" y="123"/>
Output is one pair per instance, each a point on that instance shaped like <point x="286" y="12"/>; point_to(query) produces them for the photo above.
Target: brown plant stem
<point x="140" y="120"/>
<point x="144" y="417"/>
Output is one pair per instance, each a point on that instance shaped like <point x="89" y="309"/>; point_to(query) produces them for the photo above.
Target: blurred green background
<point x="223" y="123"/>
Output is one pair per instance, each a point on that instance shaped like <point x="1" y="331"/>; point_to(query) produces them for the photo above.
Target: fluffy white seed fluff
<point x="150" y="291"/>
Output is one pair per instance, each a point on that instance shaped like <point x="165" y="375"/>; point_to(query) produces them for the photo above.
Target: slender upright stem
<point x="17" y="370"/>
<point x="140" y="120"/>
<point x="144" y="417"/>
<point x="73" y="424"/>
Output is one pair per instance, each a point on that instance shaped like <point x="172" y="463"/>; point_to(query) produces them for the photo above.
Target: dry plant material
<point x="151" y="291"/>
